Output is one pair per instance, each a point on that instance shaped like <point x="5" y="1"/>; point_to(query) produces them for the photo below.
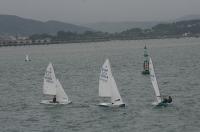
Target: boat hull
<point x="159" y="104"/>
<point x="146" y="72"/>
<point x="122" y="105"/>
<point x="50" y="102"/>
<point x="110" y="105"/>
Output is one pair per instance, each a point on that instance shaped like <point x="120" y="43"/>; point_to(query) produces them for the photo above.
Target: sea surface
<point x="77" y="66"/>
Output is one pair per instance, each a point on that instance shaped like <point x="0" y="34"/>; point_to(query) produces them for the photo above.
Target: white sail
<point x="61" y="96"/>
<point x="27" y="58"/>
<point x="49" y="85"/>
<point x="104" y="83"/>
<point x="115" y="96"/>
<point x="108" y="87"/>
<point x="154" y="81"/>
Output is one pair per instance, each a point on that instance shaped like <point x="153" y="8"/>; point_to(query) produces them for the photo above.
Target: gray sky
<point x="87" y="11"/>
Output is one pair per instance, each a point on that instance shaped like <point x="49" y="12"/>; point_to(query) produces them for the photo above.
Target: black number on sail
<point x="48" y="76"/>
<point x="104" y="74"/>
<point x="117" y="100"/>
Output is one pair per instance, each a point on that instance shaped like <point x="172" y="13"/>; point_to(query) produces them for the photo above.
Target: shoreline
<point x="9" y="44"/>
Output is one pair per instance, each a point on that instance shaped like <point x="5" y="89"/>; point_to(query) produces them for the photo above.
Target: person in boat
<point x="167" y="100"/>
<point x="54" y="99"/>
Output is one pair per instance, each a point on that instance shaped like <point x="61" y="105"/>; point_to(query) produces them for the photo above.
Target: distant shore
<point x="7" y="44"/>
<point x="82" y="41"/>
<point x="181" y="29"/>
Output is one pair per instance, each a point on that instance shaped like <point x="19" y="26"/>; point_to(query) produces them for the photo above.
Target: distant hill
<point x="12" y="25"/>
<point x="189" y="28"/>
<point x="188" y="17"/>
<point x="112" y="27"/>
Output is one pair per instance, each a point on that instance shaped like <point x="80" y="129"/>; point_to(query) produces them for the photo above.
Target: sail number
<point x="104" y="74"/>
<point x="48" y="76"/>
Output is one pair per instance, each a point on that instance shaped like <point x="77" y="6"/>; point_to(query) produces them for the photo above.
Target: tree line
<point x="189" y="28"/>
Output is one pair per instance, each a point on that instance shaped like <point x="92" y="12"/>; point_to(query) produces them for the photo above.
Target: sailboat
<point x="108" y="87"/>
<point x="159" y="100"/>
<point x="27" y="58"/>
<point x="53" y="87"/>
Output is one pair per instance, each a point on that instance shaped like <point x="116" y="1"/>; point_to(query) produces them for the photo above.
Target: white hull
<point x="159" y="104"/>
<point x="110" y="105"/>
<point x="50" y="102"/>
<point x="105" y="104"/>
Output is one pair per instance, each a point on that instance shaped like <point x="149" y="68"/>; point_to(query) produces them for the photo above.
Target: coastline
<point x="8" y="44"/>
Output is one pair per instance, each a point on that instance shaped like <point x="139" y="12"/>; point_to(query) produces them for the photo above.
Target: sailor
<point x="165" y="100"/>
<point x="54" y="99"/>
<point x="169" y="99"/>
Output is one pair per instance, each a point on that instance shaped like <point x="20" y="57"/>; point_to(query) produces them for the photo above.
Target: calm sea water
<point x="77" y="66"/>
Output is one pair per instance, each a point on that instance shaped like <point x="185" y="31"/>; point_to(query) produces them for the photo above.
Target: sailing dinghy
<point x="108" y="87"/>
<point x="160" y="101"/>
<point x="53" y="87"/>
<point x="27" y="58"/>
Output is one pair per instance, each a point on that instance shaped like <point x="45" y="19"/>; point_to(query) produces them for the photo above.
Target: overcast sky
<point x="87" y="11"/>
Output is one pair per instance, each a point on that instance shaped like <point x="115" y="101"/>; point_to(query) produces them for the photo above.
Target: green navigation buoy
<point x="146" y="62"/>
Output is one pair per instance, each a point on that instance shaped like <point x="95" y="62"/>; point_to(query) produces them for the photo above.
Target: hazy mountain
<point x="112" y="27"/>
<point x="188" y="17"/>
<point x="13" y="25"/>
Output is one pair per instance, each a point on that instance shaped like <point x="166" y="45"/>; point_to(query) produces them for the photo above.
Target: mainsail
<point x="27" y="58"/>
<point x="154" y="81"/>
<point x="49" y="85"/>
<point x="104" y="83"/>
